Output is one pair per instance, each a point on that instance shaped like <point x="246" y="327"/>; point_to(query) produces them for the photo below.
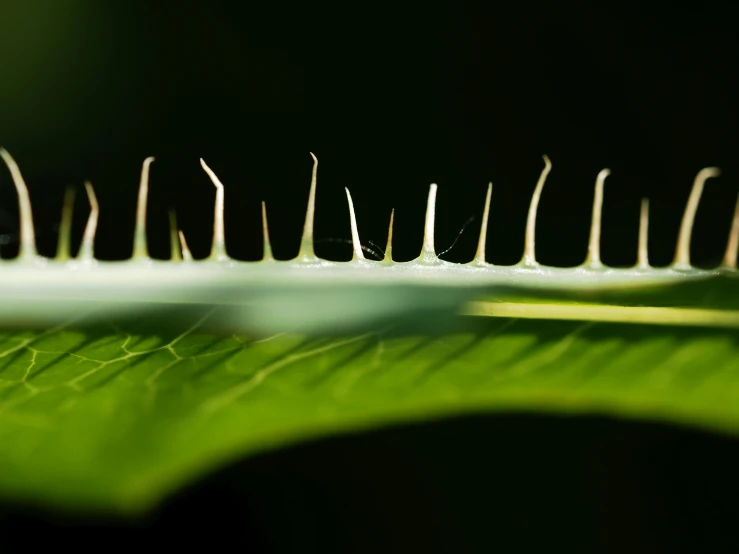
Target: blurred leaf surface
<point x="115" y="418"/>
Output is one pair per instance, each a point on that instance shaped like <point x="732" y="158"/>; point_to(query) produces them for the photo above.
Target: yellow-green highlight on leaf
<point x="691" y="317"/>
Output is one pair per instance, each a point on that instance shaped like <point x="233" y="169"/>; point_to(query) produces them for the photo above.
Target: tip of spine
<point x="218" y="248"/>
<point x="88" y="238"/>
<point x="140" y="247"/>
<point x="64" y="248"/>
<point x="529" y="254"/>
<point x="267" y="249"/>
<point x="356" y="244"/>
<point x="389" y="246"/>
<point x="428" y="254"/>
<point x="481" y="243"/>
<point x="682" y="250"/>
<point x="732" y="246"/>
<point x="27" y="249"/>
<point x="307" y="252"/>
<point x="186" y="255"/>
<point x="593" y="258"/>
<point x="642" y="256"/>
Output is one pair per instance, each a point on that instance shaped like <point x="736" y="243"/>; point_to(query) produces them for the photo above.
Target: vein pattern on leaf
<point x="116" y="418"/>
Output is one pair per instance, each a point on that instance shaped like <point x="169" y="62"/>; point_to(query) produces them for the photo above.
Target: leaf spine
<point x="140" y="246"/>
<point x="593" y="258"/>
<point x="63" y="249"/>
<point x="27" y="249"/>
<point x="87" y="248"/>
<point x="529" y="255"/>
<point x="481" y="243"/>
<point x="642" y="255"/>
<point x="682" y="250"/>
<point x="356" y="244"/>
<point x="218" y="248"/>
<point x="428" y="253"/>
<point x="388" y="259"/>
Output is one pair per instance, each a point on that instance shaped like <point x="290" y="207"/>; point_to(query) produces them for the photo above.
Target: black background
<point x="392" y="97"/>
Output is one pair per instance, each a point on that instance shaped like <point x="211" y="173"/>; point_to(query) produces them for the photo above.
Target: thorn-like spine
<point x="186" y="255"/>
<point x="179" y="250"/>
<point x="27" y="248"/>
<point x="267" y="248"/>
<point x="174" y="243"/>
<point x="593" y="257"/>
<point x="428" y="254"/>
<point x="63" y="248"/>
<point x="732" y="246"/>
<point x="218" y="249"/>
<point x="389" y="246"/>
<point x="682" y="250"/>
<point x="307" y="252"/>
<point x="140" y="246"/>
<point x="529" y="256"/>
<point x="87" y="247"/>
<point x="642" y="255"/>
<point x="356" y="244"/>
<point x="480" y="255"/>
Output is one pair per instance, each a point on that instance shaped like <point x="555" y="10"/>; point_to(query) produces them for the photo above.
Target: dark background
<point x="392" y="98"/>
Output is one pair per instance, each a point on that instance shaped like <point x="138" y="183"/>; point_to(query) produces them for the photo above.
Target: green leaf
<point x="147" y="390"/>
<point x="115" y="417"/>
